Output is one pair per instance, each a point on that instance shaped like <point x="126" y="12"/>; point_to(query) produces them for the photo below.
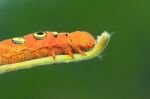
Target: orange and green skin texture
<point x="64" y="43"/>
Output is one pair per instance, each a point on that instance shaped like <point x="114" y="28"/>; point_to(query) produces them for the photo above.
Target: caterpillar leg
<point x="71" y="54"/>
<point x="52" y="54"/>
<point x="80" y="51"/>
<point x="68" y="51"/>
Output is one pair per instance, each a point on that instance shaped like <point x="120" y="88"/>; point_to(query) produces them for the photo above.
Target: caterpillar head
<point x="82" y="39"/>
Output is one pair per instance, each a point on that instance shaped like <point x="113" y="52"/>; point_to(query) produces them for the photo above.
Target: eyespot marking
<point x="55" y="34"/>
<point x="18" y="40"/>
<point x="39" y="35"/>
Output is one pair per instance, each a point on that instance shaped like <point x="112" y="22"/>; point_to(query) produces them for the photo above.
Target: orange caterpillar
<point x="43" y="44"/>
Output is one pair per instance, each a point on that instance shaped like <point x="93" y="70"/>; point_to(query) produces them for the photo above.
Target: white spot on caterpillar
<point x="55" y="33"/>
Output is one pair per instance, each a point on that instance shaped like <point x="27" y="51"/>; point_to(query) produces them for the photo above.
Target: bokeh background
<point x="124" y="72"/>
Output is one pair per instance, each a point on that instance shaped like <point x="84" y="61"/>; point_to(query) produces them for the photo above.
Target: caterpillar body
<point x="43" y="44"/>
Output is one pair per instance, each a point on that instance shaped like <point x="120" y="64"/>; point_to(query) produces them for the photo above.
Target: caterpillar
<point x="45" y="43"/>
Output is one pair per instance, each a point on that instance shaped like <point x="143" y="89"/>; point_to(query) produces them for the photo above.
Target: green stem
<point x="101" y="43"/>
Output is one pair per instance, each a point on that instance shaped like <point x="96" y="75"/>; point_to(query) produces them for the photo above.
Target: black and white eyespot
<point x="39" y="35"/>
<point x="55" y="34"/>
<point x="18" y="40"/>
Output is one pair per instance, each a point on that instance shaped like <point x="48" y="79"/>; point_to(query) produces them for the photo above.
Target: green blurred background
<point x="124" y="72"/>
